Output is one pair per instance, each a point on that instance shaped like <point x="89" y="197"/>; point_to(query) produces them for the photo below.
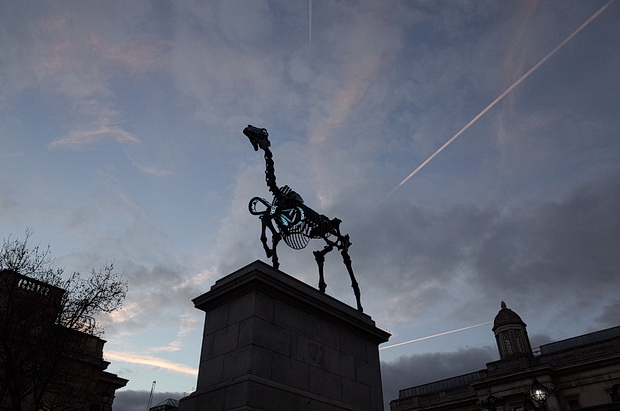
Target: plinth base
<point x="272" y="342"/>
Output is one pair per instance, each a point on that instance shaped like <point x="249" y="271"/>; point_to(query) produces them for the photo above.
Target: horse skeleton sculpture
<point x="289" y="219"/>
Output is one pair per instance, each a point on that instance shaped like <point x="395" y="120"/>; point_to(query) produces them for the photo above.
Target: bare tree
<point x="44" y="314"/>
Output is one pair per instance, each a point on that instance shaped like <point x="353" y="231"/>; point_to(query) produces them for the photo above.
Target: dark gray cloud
<point x="409" y="371"/>
<point x="610" y="315"/>
<point x="561" y="252"/>
<point x="537" y="339"/>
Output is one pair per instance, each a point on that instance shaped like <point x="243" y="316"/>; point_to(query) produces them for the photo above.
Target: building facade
<point x="580" y="373"/>
<point x="44" y="366"/>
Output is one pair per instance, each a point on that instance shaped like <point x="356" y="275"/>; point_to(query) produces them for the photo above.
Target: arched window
<point x="508" y="342"/>
<point x="519" y="341"/>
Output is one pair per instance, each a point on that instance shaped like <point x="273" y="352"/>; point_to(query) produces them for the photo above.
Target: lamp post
<point x="491" y="403"/>
<point x="539" y="393"/>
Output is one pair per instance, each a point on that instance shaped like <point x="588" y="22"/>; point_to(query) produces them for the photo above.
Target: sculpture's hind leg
<point x="347" y="262"/>
<point x="319" y="256"/>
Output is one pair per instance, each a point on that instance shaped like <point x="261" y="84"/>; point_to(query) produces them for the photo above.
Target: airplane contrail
<point x="504" y="94"/>
<point x="310" y="32"/>
<point x="435" y="335"/>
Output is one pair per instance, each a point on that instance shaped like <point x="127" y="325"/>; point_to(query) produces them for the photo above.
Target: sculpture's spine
<point x="270" y="174"/>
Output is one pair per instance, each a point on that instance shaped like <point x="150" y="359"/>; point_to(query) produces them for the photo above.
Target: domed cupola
<point x="510" y="334"/>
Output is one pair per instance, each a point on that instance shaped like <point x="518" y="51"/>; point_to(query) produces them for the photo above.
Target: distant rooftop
<point x="585" y="339"/>
<point x="442" y="385"/>
<point x="551" y="348"/>
<point x="168" y="404"/>
<point x="169" y="401"/>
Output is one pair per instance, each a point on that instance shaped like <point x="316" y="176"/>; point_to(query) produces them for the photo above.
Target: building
<point x="43" y="365"/>
<point x="169" y="404"/>
<point x="580" y="373"/>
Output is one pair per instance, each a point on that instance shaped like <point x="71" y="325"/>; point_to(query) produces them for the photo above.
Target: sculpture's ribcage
<point x="314" y="225"/>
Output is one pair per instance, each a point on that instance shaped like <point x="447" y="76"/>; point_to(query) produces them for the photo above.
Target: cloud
<point x="138" y="54"/>
<point x="105" y="128"/>
<point x="354" y="57"/>
<point x="611" y="313"/>
<point x="567" y="246"/>
<point x="152" y="170"/>
<point x="227" y="67"/>
<point x="413" y="370"/>
<point x="149" y="360"/>
<point x="522" y="208"/>
<point x="126" y="313"/>
<point x="159" y="296"/>
<point x="187" y="325"/>
<point x="173" y="346"/>
<point x="532" y="252"/>
<point x="100" y="132"/>
<point x="76" y="52"/>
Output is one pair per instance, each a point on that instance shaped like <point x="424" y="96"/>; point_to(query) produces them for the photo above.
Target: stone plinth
<point x="271" y="342"/>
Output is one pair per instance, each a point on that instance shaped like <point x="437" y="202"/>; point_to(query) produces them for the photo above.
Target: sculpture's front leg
<point x="275" y="239"/>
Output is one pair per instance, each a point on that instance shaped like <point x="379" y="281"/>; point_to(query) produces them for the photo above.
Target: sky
<point x="121" y="132"/>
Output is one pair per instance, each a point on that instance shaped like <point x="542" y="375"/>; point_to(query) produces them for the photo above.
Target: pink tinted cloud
<point x="150" y="360"/>
<point x="80" y="139"/>
<point x="137" y="55"/>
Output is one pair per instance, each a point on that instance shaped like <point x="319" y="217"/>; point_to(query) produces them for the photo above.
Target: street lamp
<point x="539" y="393"/>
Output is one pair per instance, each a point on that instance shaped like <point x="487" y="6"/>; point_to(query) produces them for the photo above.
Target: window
<point x="507" y="342"/>
<point x="518" y="340"/>
<point x="573" y="401"/>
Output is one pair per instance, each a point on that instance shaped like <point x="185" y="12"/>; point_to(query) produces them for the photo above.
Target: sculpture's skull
<point x="259" y="137"/>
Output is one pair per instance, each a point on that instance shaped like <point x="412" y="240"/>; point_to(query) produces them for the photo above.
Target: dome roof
<point x="507" y="316"/>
